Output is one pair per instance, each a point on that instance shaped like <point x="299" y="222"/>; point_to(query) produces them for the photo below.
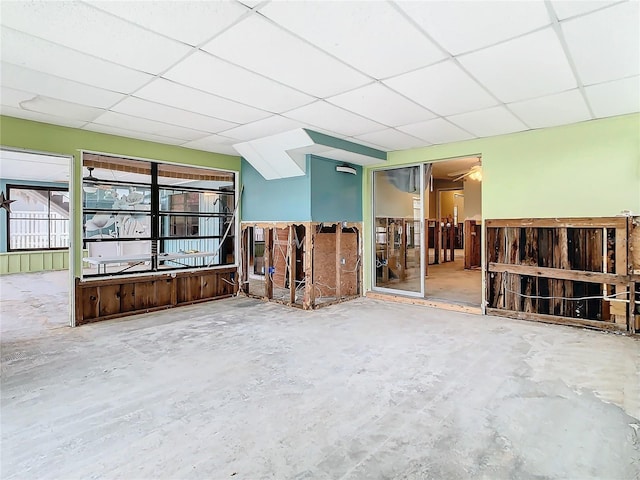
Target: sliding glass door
<point x="398" y="211"/>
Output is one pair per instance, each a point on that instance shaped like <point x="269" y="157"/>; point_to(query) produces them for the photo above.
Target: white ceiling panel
<point x="461" y="26"/>
<point x="213" y="143"/>
<point x="123" y="121"/>
<point x="605" y="45"/>
<point x="443" y="88"/>
<point x="127" y="132"/>
<point x="527" y="67"/>
<point x="36" y="54"/>
<point x="260" y="46"/>
<point x="615" y="98"/>
<point x="263" y="128"/>
<point x="381" y="104"/>
<point x="191" y="22"/>
<point x="86" y="29"/>
<point x="372" y="36"/>
<point x="169" y="93"/>
<point x="436" y="131"/>
<point x="251" y="3"/>
<point x="391" y="139"/>
<point x="50" y="106"/>
<point x="552" y="110"/>
<point x="570" y="8"/>
<point x="155" y="111"/>
<point x="17" y="77"/>
<point x="327" y="116"/>
<point x="39" y="117"/>
<point x="204" y="72"/>
<point x="486" y="123"/>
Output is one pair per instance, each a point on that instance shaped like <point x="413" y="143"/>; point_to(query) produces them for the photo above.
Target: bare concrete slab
<point x="366" y="389"/>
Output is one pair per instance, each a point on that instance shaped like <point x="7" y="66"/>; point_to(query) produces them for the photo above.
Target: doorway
<point x="427" y="227"/>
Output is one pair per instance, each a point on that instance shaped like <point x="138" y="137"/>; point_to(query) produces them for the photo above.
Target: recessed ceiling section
<point x="378" y="102"/>
<point x="189" y="22"/>
<point x="127" y="44"/>
<point x="372" y="36"/>
<point x="262" y="47"/>
<point x="605" y="45"/>
<point x="527" y="67"/>
<point x="213" y="75"/>
<point x="283" y="155"/>
<point x="36" y="54"/>
<point x="478" y="24"/>
<point x="443" y="88"/>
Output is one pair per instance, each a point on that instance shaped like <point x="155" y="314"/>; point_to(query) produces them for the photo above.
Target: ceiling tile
<point x="465" y="26"/>
<point x="570" y="8"/>
<point x="436" y="131"/>
<point x="190" y="22"/>
<point x="155" y="111"/>
<point x="615" y="98"/>
<point x="559" y="109"/>
<point x="214" y="143"/>
<point x="324" y="115"/>
<point x="443" y="88"/>
<point x="204" y="72"/>
<point x="13" y="76"/>
<point x="378" y="102"/>
<point x="257" y="44"/>
<point x="391" y="139"/>
<point x="605" y="45"/>
<point x="349" y="157"/>
<point x="94" y="32"/>
<point x="39" y="117"/>
<point x="170" y="93"/>
<point x="359" y="33"/>
<point x="527" y="67"/>
<point x="49" y="106"/>
<point x="262" y="128"/>
<point x="127" y="132"/>
<point x="36" y="54"/>
<point x="486" y="123"/>
<point x="123" y="121"/>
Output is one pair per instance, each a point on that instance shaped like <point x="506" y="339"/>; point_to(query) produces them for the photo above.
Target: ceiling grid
<point x="390" y="75"/>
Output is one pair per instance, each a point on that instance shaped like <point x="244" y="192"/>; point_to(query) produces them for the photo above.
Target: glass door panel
<point x="398" y="229"/>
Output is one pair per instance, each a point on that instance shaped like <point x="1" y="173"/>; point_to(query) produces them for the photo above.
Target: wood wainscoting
<point x="115" y="297"/>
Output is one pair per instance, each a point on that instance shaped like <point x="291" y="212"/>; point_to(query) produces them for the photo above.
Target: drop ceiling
<point x="388" y="75"/>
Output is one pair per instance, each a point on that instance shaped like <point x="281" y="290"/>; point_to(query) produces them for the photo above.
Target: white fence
<point x="32" y="230"/>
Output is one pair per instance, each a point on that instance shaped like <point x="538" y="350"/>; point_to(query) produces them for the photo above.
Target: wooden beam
<point x="424" y="302"/>
<point x="291" y="252"/>
<point x="573" y="275"/>
<point x="608" y="222"/>
<point x="338" y="261"/>
<point x="539" y="317"/>
<point x="621" y="250"/>
<point x="268" y="262"/>
<point x="309" y="288"/>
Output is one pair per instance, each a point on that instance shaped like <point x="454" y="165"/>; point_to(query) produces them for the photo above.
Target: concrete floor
<point x="365" y="389"/>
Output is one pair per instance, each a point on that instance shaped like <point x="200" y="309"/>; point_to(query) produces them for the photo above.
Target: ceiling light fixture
<point x="346" y="169"/>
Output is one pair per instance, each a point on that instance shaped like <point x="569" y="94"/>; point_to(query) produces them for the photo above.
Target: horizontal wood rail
<point x="559" y="274"/>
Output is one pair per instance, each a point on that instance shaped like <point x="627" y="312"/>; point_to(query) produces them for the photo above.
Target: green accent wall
<point x="43" y="137"/>
<point x="580" y="170"/>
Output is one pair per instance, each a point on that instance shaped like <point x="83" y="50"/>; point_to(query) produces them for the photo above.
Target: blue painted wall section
<point x="283" y="200"/>
<point x="322" y="195"/>
<point x="335" y="196"/>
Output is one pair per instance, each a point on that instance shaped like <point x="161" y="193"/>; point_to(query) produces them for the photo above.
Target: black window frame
<point x="47" y="189"/>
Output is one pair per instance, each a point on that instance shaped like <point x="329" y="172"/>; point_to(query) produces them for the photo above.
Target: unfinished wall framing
<point x="574" y="271"/>
<point x="305" y="264"/>
<point x="116" y="297"/>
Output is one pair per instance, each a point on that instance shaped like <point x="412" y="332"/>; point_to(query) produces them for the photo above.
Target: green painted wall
<point x="25" y="134"/>
<point x="579" y="170"/>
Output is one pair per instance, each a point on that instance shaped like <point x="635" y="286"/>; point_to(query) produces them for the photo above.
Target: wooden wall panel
<point x="324" y="263"/>
<point x="119" y="296"/>
<point x="350" y="269"/>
